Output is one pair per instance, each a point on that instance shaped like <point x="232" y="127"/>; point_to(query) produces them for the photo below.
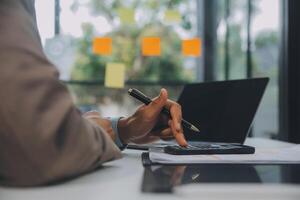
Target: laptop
<point x="223" y="111"/>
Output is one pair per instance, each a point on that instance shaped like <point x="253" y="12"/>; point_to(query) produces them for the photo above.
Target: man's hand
<point x="147" y="124"/>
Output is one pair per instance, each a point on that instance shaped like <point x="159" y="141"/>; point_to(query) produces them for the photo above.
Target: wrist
<point x="124" y="129"/>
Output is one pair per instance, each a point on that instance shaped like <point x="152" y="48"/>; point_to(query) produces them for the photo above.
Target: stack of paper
<point x="290" y="155"/>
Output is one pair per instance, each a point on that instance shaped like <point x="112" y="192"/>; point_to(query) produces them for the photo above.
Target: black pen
<point x="146" y="100"/>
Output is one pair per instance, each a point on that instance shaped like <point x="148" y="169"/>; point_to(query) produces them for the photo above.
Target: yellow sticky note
<point x="172" y="16"/>
<point x="126" y="15"/>
<point x="115" y="75"/>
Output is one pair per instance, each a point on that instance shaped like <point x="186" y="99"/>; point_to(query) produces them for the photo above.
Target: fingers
<point x="178" y="134"/>
<point x="175" y="122"/>
<point x="170" y="133"/>
<point x="176" y="115"/>
<point x="150" y="115"/>
<point x="155" y="107"/>
<point x="160" y="101"/>
<point x="165" y="134"/>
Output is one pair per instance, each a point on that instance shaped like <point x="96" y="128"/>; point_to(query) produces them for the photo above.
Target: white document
<point x="290" y="155"/>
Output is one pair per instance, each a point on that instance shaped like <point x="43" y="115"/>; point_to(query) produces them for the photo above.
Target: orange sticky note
<point x="114" y="75"/>
<point x="191" y="47"/>
<point x="151" y="46"/>
<point x="102" y="46"/>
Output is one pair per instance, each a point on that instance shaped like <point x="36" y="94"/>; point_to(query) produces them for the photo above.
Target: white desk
<point x="122" y="179"/>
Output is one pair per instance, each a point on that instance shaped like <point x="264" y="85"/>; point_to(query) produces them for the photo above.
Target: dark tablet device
<point x="165" y="178"/>
<point x="215" y="148"/>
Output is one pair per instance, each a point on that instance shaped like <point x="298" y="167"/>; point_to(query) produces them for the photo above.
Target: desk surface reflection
<point x="162" y="179"/>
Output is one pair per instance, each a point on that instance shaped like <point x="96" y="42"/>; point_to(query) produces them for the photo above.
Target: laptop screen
<point x="223" y="110"/>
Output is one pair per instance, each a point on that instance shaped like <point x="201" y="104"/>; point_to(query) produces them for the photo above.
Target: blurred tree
<point x="237" y="38"/>
<point x="266" y="38"/>
<point x="87" y="65"/>
<point x="127" y="42"/>
<point x="266" y="54"/>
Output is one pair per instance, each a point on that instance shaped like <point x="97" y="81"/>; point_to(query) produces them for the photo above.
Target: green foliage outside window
<point x="127" y="43"/>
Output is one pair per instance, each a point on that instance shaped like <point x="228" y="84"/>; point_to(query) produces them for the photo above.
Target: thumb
<point x="159" y="102"/>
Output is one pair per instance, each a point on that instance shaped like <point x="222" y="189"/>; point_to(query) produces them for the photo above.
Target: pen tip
<point x="130" y="90"/>
<point x="194" y="128"/>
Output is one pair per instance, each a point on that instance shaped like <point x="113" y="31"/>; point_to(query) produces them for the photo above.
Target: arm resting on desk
<point x="43" y="137"/>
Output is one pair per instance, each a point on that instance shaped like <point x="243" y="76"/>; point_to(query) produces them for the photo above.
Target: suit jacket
<point x="43" y="137"/>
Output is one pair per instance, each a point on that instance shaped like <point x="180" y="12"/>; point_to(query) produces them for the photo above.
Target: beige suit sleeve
<point x="43" y="137"/>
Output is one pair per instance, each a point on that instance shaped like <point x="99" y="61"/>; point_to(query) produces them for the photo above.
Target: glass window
<point x="83" y="20"/>
<point x="232" y="31"/>
<point x="265" y="31"/>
